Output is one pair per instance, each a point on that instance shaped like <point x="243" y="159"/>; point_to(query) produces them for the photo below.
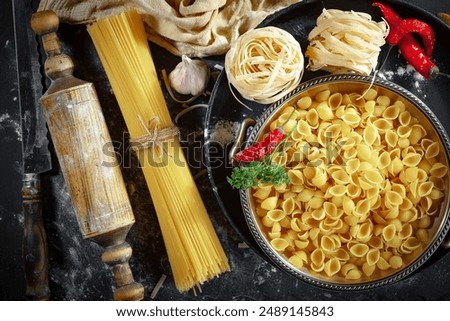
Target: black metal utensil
<point x="36" y="156"/>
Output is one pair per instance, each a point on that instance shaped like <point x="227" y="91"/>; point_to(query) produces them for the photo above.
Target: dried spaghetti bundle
<point x="193" y="248"/>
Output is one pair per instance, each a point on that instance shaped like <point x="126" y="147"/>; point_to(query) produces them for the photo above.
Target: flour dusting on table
<point x="6" y="121"/>
<point x="408" y="71"/>
<point x="224" y="132"/>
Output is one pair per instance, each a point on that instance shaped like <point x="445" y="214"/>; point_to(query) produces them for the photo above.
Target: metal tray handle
<point x="242" y="133"/>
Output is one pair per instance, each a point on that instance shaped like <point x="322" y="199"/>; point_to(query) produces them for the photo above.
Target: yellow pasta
<point x="372" y="256"/>
<point x="404" y="131"/>
<point x="296" y="261"/>
<point x="359" y="250"/>
<point x="368" y="269"/>
<point x="396" y="262"/>
<point x="270" y="203"/>
<point x="438" y="170"/>
<point x="391" y="138"/>
<point x="332" y="267"/>
<point x="279" y="244"/>
<point x="382" y="264"/>
<point x="304" y="102"/>
<point x="404" y="118"/>
<point x="412" y="159"/>
<point x="432" y="150"/>
<point x="194" y="250"/>
<point x="324" y="111"/>
<point x="353" y="274"/>
<point x="368" y="211"/>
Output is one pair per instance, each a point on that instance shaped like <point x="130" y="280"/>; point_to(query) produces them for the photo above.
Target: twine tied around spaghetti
<point x="155" y="136"/>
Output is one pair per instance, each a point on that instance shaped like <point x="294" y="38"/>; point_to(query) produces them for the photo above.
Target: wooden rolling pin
<point x="94" y="180"/>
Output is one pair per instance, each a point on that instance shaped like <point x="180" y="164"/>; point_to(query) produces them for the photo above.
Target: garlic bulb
<point x="190" y="77"/>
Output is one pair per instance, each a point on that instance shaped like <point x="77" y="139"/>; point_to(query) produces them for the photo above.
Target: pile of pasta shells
<point x="367" y="181"/>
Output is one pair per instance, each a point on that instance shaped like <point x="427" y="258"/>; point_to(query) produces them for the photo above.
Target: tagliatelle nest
<point x="264" y="64"/>
<point x="345" y="41"/>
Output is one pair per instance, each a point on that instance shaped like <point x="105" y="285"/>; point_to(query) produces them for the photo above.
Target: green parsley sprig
<point x="257" y="172"/>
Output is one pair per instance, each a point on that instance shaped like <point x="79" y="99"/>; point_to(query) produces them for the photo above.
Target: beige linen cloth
<point x="196" y="28"/>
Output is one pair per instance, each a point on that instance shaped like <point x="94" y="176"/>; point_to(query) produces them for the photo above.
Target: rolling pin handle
<point x="45" y="24"/>
<point x="117" y="256"/>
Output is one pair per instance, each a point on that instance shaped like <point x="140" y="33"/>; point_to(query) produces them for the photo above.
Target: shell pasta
<point x="366" y="183"/>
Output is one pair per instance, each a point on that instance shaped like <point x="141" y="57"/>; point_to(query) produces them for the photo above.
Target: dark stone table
<point x="75" y="267"/>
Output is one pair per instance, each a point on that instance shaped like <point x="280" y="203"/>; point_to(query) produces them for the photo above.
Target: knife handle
<point x="35" y="253"/>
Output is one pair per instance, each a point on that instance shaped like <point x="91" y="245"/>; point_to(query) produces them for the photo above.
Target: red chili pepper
<point x="418" y="59"/>
<point x="261" y="149"/>
<point x="392" y="18"/>
<point x="407" y="26"/>
<point x="400" y="34"/>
